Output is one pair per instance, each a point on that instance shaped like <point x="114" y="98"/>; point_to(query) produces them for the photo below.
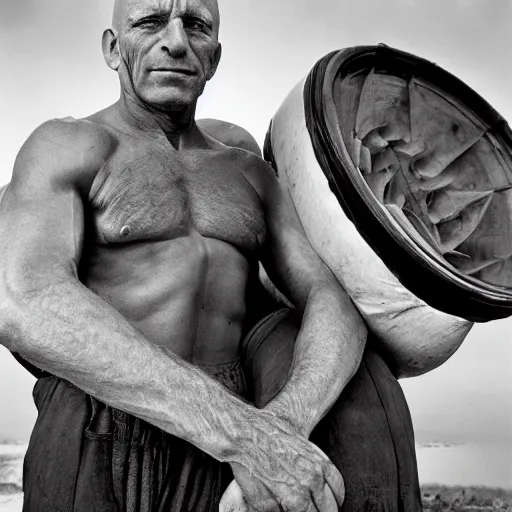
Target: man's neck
<point x="178" y="126"/>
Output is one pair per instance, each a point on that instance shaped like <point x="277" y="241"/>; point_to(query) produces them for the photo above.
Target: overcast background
<point x="51" y="66"/>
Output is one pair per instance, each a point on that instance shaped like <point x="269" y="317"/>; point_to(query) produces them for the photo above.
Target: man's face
<point x="168" y="48"/>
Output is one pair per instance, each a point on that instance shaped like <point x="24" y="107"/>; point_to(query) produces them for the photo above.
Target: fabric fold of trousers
<point x="84" y="456"/>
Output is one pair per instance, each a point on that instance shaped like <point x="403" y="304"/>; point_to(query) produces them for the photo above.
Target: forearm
<point x="328" y="351"/>
<point x="70" y="332"/>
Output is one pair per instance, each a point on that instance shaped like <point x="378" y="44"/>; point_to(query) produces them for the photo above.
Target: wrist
<point x="294" y="422"/>
<point x="254" y="433"/>
<point x="241" y="435"/>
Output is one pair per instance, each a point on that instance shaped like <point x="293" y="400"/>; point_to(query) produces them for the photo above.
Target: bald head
<point x="126" y="9"/>
<point x="118" y="13"/>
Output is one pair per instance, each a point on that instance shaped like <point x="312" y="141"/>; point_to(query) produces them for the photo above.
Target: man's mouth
<point x="177" y="71"/>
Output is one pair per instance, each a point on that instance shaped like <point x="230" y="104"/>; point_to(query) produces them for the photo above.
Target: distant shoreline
<point x="441" y="497"/>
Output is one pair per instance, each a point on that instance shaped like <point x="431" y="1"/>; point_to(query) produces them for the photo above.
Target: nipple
<point x="125" y="231"/>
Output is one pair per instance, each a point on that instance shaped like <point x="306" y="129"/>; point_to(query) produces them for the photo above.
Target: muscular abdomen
<point x="185" y="294"/>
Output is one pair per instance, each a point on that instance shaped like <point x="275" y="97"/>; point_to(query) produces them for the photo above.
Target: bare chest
<point x="143" y="195"/>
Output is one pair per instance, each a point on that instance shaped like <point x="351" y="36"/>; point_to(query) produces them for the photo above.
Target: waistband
<point x="259" y="333"/>
<point x="231" y="375"/>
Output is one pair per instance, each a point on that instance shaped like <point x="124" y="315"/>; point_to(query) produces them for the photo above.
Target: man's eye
<point x="194" y="24"/>
<point x="149" y="23"/>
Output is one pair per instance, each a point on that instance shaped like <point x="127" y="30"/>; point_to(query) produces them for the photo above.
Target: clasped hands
<point x="280" y="470"/>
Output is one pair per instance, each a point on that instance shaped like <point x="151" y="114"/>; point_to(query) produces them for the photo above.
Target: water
<point x="486" y="464"/>
<point x="12" y="503"/>
<point x="11" y="473"/>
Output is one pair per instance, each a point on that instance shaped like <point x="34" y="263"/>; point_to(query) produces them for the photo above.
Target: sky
<point x="52" y="66"/>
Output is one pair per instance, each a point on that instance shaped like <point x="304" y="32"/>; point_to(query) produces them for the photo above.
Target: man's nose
<point x="175" y="40"/>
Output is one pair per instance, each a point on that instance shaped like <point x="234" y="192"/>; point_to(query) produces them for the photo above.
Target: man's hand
<point x="285" y="472"/>
<point x="233" y="500"/>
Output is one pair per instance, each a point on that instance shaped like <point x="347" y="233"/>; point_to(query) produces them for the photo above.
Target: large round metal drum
<point x="402" y="177"/>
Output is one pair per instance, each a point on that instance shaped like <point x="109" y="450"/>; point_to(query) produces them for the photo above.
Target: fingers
<point x="335" y="482"/>
<point x="315" y="485"/>
<point x="317" y="500"/>
<point x="326" y="486"/>
<point x="313" y="507"/>
<point x="326" y="483"/>
<point x="330" y="503"/>
<point x="323" y="500"/>
<point x="256" y="494"/>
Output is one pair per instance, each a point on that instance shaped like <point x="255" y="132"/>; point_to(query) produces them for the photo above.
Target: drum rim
<point x="478" y="300"/>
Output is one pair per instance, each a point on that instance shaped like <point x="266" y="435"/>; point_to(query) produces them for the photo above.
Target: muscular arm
<point x="56" y="323"/>
<point x="331" y="341"/>
<point x="329" y="346"/>
<point x="51" y="319"/>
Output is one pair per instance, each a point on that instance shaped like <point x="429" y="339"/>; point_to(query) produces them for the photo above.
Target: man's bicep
<point x="41" y="235"/>
<point x="41" y="214"/>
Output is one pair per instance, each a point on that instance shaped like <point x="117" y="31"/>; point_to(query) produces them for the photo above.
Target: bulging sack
<point x="402" y="178"/>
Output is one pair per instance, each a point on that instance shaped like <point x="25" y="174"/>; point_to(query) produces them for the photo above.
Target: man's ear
<point x="215" y="61"/>
<point x="111" y="49"/>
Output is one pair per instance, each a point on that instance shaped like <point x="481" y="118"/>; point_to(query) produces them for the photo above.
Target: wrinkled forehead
<point x="126" y="10"/>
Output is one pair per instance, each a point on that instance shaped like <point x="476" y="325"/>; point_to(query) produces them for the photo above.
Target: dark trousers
<point x="86" y="457"/>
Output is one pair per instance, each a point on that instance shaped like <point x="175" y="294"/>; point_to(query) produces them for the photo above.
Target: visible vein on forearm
<point x="76" y="336"/>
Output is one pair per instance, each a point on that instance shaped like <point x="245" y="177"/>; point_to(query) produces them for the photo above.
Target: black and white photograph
<point x="255" y="256"/>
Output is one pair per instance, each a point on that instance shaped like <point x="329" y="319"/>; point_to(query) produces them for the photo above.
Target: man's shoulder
<point x="229" y="134"/>
<point x="257" y="171"/>
<point x="66" y="145"/>
<point x="69" y="135"/>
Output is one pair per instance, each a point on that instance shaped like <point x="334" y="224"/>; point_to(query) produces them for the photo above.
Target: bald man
<point x="130" y="240"/>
